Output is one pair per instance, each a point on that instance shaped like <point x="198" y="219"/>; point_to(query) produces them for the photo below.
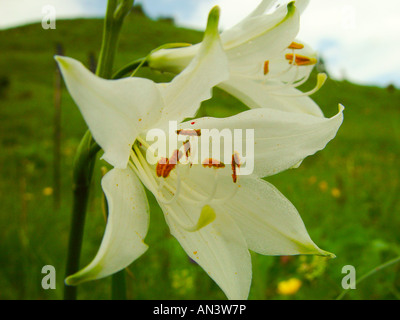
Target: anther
<point x="161" y="166"/>
<point x="300" y="60"/>
<point x="266" y="67"/>
<point x="165" y="165"/>
<point x="186" y="147"/>
<point x="212" y="163"/>
<point x="235" y="163"/>
<point x="189" y="132"/>
<point x="295" y="45"/>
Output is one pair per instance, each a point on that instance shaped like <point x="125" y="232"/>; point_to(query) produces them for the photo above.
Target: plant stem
<point x="370" y="273"/>
<point x="57" y="134"/>
<point x="109" y="43"/>
<point x="86" y="154"/>
<point x="118" y="286"/>
<point x="82" y="176"/>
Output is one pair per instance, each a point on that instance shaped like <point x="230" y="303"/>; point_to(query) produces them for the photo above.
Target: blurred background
<point x="347" y="195"/>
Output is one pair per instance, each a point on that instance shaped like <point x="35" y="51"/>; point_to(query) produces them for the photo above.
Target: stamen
<point x="176" y="156"/>
<point x="236" y="157"/>
<point x="235" y="163"/>
<point x="302" y="81"/>
<point x="165" y="165"/>
<point x="212" y="163"/>
<point x="136" y="165"/>
<point x="145" y="173"/>
<point x="177" y="190"/>
<point x="266" y="67"/>
<point x="300" y="60"/>
<point x="227" y="198"/>
<point x="295" y="45"/>
<point x="189" y="132"/>
<point x="287" y="84"/>
<point x="213" y="191"/>
<point x="161" y="166"/>
<point x="279" y="74"/>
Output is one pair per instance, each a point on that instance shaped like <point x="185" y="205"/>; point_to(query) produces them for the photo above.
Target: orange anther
<point x="235" y="163"/>
<point x="266" y="67"/>
<point x="165" y="165"/>
<point x="213" y="163"/>
<point x="300" y="60"/>
<point x="189" y="132"/>
<point x="186" y="147"/>
<point x="295" y="45"/>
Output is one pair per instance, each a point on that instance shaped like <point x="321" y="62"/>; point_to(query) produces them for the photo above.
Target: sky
<point x="358" y="39"/>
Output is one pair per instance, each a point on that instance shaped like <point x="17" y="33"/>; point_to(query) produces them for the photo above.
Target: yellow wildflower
<point x="289" y="287"/>
<point x="323" y="186"/>
<point x="336" y="193"/>
<point x="48" y="191"/>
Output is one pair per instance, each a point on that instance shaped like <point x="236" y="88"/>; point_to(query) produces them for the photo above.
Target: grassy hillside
<point x="348" y="194"/>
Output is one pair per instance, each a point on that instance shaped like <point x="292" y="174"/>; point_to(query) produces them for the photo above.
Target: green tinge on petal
<point x="94" y="271"/>
<point x="312" y="249"/>
<point x="291" y="10"/>
<point x="82" y="276"/>
<point x="63" y="63"/>
<point x="206" y="217"/>
<point x="213" y="21"/>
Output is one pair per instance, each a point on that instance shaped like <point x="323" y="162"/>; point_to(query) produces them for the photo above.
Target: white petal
<point x="185" y="93"/>
<point x="269" y="222"/>
<point x="218" y="248"/>
<point x="302" y="5"/>
<point x="281" y="139"/>
<point x="254" y="24"/>
<point x="263" y="7"/>
<point x="127" y="225"/>
<point x="116" y="111"/>
<point x="260" y="38"/>
<point x="233" y="34"/>
<point x="256" y="94"/>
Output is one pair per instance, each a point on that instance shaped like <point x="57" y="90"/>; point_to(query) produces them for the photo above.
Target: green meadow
<point x="347" y="194"/>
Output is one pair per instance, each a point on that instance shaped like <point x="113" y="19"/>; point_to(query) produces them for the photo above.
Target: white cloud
<point x="365" y="34"/>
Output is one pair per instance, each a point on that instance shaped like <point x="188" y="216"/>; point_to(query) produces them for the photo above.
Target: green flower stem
<point x="82" y="176"/>
<point x="118" y="286"/>
<point x="370" y="273"/>
<point x="116" y="13"/>
<point x="86" y="154"/>
<point x="130" y="67"/>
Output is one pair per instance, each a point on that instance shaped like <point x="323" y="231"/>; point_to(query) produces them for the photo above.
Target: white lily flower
<point x="267" y="63"/>
<point x="215" y="215"/>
